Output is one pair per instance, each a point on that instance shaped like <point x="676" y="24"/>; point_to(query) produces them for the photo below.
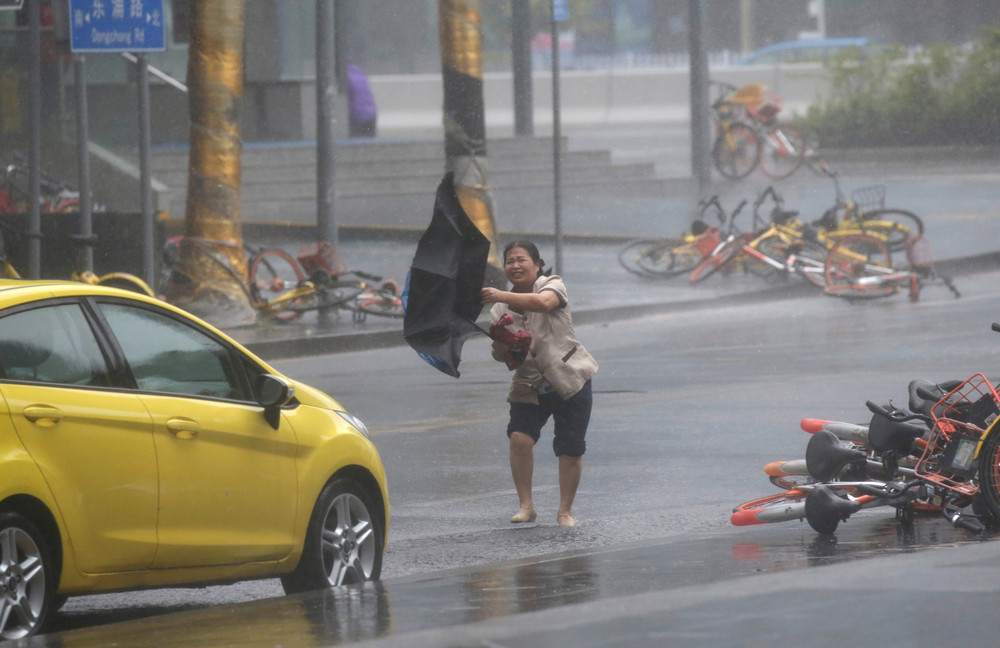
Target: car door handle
<point x="183" y="428"/>
<point x="43" y="415"/>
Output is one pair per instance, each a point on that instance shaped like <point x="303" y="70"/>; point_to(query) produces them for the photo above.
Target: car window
<point x="167" y="355"/>
<point x="52" y="344"/>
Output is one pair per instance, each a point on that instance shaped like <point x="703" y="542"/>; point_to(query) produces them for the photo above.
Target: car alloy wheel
<point x="23" y="581"/>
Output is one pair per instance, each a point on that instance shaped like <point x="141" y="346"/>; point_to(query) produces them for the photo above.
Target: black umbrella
<point x="441" y="299"/>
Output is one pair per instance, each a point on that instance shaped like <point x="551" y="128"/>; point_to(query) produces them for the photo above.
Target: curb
<point x="343" y="342"/>
<point x="327" y="343"/>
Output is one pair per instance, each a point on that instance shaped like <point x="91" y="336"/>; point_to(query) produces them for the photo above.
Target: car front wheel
<point x="25" y="584"/>
<point x="343" y="543"/>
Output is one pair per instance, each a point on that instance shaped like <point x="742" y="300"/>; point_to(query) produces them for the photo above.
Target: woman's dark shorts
<point x="571" y="418"/>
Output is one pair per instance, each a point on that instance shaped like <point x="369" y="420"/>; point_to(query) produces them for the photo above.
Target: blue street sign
<point x="116" y="26"/>
<point x="560" y="10"/>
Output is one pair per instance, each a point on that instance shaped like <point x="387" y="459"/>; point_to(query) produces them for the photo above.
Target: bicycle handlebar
<point x="365" y="275"/>
<point x="732" y="217"/>
<point x="897" y="416"/>
<point x="720" y="213"/>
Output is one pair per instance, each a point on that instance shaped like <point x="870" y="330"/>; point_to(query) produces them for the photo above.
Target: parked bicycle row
<point x="856" y="249"/>
<point x="282" y="287"/>
<point x="124" y="280"/>
<point x="939" y="455"/>
<point x="15" y="189"/>
<point x="279" y="286"/>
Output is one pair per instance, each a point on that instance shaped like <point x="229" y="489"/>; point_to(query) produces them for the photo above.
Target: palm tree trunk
<point x="461" y="43"/>
<point x="211" y="257"/>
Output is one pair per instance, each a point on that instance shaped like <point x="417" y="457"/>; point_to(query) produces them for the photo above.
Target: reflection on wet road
<point x="461" y="597"/>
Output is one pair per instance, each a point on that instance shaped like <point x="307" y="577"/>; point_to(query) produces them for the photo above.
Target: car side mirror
<point x="272" y="394"/>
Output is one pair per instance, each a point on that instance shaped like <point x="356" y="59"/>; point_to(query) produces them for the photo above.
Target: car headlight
<point x="355" y="422"/>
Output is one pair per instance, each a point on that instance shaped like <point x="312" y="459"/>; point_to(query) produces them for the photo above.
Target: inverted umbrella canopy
<point x="441" y="299"/>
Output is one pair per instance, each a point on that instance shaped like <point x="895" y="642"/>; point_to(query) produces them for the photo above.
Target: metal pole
<point x="700" y="137"/>
<point x="145" y="173"/>
<point x="86" y="236"/>
<point x="342" y="47"/>
<point x="521" y="56"/>
<point x="746" y="26"/>
<point x="821" y="18"/>
<point x="35" y="136"/>
<point x="326" y="226"/>
<point x="556" y="143"/>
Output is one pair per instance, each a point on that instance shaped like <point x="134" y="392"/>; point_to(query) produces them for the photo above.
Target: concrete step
<point x="356" y="151"/>
<point x="176" y="178"/>
<point x="412" y="210"/>
<point x="392" y="183"/>
<point x="608" y="177"/>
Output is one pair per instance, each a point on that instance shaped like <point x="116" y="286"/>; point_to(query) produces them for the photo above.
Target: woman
<point x="552" y="381"/>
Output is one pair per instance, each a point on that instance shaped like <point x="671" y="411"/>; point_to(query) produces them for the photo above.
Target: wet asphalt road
<point x="690" y="406"/>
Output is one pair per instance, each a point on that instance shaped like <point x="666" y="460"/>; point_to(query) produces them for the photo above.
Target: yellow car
<point x="141" y="447"/>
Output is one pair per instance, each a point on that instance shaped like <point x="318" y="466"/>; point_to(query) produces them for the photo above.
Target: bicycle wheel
<point x="736" y="151"/>
<point x="384" y="306"/>
<point x="273" y="272"/>
<point x="781" y="507"/>
<point x="384" y="302"/>
<point x="658" y="258"/>
<point x="665" y="262"/>
<point x="329" y="295"/>
<point x="851" y="260"/>
<point x="782" y="151"/>
<point x="629" y="256"/>
<point x="989" y="477"/>
<point x="895" y="224"/>
<point x="723" y="255"/>
<point x="810" y="263"/>
<point x="773" y="247"/>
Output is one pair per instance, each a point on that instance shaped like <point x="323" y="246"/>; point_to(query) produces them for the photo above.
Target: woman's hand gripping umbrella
<point x="441" y="299"/>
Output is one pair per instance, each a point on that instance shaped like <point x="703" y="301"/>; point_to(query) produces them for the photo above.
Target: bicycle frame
<point x="946" y="466"/>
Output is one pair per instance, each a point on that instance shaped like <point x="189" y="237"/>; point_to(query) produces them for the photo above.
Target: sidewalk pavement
<point x="599" y="290"/>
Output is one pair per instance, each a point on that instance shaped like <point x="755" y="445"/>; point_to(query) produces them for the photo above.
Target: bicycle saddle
<point x="781" y="216"/>
<point x="825" y="509"/>
<point x="924" y="394"/>
<point x="885" y="435"/>
<point x="827" y="221"/>
<point x="826" y="456"/>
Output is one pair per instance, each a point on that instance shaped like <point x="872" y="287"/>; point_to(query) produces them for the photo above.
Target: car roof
<point x="14" y="292"/>
<point x="805" y="44"/>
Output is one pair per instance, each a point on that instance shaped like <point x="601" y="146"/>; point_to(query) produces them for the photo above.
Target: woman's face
<point x="520" y="268"/>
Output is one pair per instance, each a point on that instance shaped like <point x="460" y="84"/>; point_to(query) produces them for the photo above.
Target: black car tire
<point x="343" y="543"/>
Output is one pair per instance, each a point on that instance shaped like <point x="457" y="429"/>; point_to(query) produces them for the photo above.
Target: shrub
<point x="947" y="94"/>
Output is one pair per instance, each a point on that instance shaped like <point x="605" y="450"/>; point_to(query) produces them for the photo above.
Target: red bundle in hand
<point x="518" y="342"/>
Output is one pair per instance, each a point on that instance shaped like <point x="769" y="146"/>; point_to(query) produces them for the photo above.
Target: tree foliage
<point x="947" y="95"/>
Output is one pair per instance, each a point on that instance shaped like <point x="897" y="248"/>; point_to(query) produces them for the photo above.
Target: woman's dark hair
<point x="532" y="251"/>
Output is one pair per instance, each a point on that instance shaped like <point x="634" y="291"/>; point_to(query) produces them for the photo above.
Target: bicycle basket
<point x="960" y="419"/>
<point x="869" y="198"/>
<point x="320" y="256"/>
<point x="918" y="251"/>
<point x="767" y="110"/>
<point x="707" y="241"/>
<point x="749" y="94"/>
